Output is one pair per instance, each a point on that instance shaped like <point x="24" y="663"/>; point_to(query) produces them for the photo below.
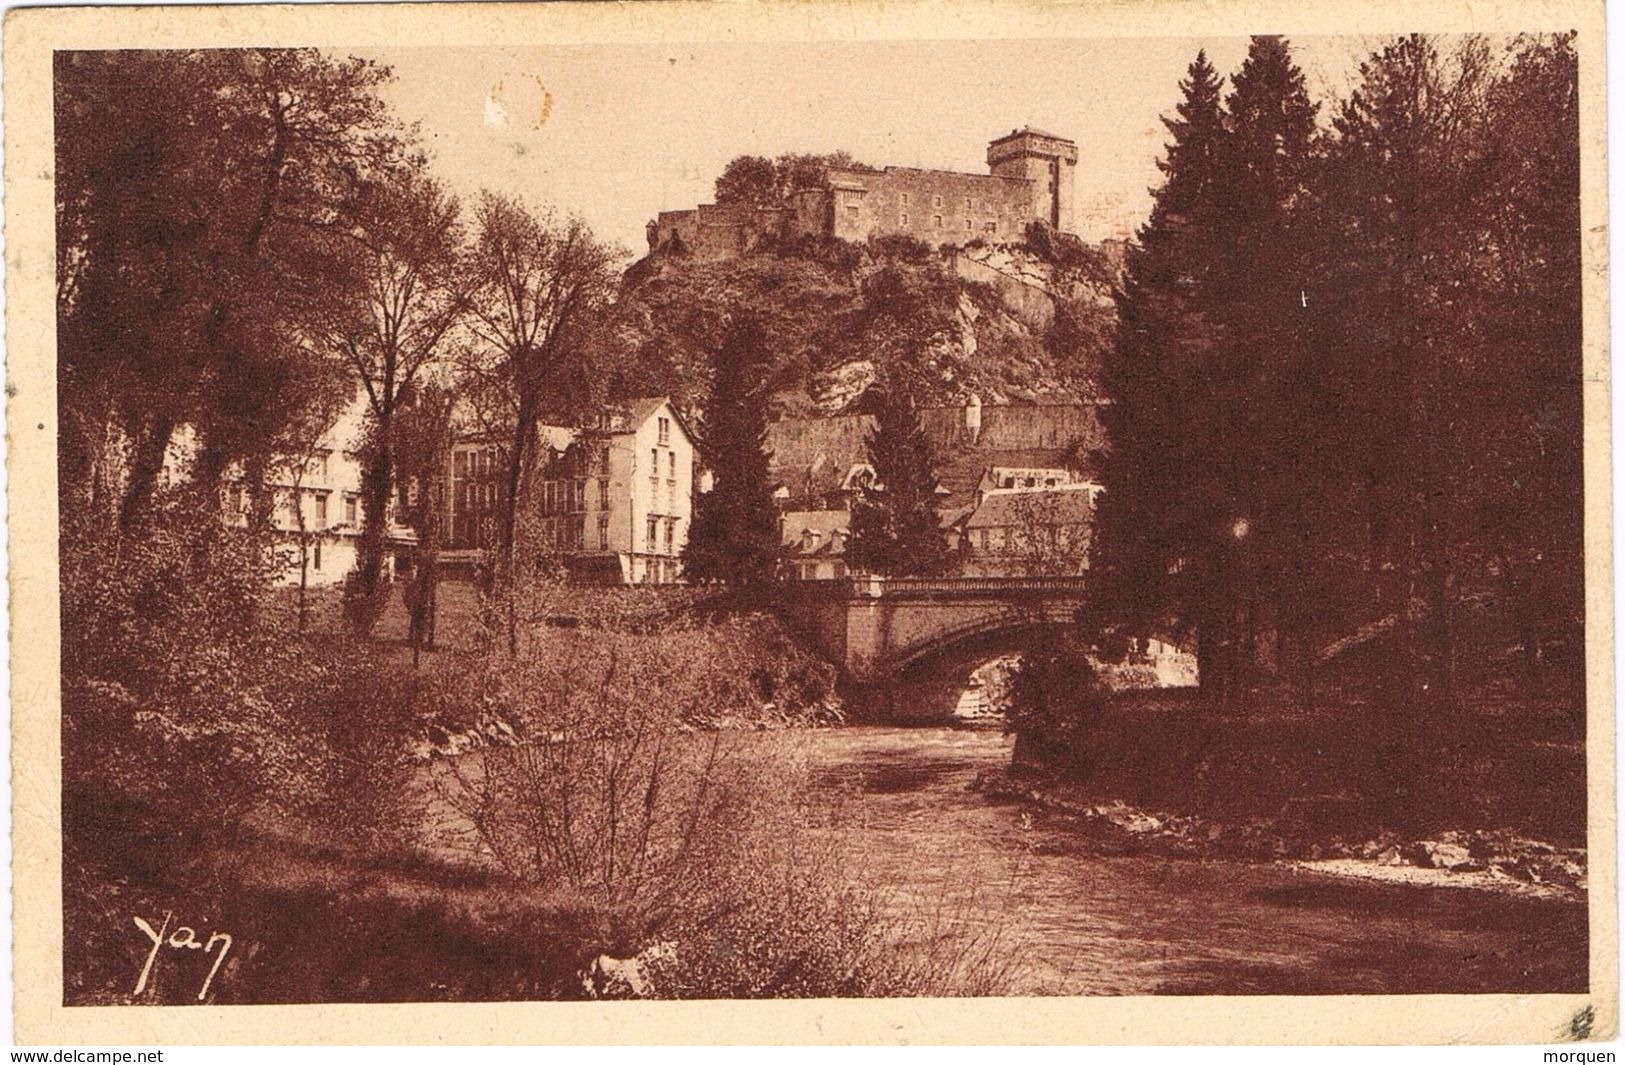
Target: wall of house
<point x="666" y="498"/>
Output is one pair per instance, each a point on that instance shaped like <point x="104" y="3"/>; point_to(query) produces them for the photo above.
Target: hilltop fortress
<point x="1029" y="179"/>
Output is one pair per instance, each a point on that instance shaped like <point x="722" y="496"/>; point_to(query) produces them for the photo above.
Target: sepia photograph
<point x="738" y="517"/>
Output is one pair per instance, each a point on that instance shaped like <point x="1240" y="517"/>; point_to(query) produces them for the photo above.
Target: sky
<point x="616" y="133"/>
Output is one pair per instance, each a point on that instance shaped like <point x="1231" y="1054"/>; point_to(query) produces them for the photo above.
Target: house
<point x="1029" y="531"/>
<point x="316" y="502"/>
<point x="1021" y="477"/>
<point x="612" y="500"/>
<point x="815" y="543"/>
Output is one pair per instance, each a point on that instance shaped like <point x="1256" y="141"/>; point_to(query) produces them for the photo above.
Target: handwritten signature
<point x="183" y="938"/>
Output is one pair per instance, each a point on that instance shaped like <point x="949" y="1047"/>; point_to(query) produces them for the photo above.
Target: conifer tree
<point x="895" y="531"/>
<point x="1262" y="458"/>
<point x="1157" y="516"/>
<point x="734" y="538"/>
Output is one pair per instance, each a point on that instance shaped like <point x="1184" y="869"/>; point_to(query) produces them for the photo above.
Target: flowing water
<point x="1071" y="921"/>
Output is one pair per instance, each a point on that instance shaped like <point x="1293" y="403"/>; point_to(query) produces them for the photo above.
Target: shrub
<point x="1056" y="701"/>
<point x="183" y="689"/>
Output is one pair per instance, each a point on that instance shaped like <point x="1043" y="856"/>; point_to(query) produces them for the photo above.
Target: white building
<point x="612" y="500"/>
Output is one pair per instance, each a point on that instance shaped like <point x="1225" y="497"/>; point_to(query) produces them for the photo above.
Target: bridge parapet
<point x="874" y="626"/>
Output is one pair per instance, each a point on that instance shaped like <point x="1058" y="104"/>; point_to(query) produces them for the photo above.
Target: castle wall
<point x="935" y="206"/>
<point x="713" y="231"/>
<point x="1031" y="178"/>
<point x="1048" y="162"/>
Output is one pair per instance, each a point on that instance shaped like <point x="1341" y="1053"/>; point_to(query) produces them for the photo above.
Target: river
<point x="1070" y="921"/>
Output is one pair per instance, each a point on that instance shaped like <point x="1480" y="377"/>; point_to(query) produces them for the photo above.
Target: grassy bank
<point x="579" y="817"/>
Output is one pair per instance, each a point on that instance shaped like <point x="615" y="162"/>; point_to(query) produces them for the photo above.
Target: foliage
<point x="198" y="193"/>
<point x="1345" y="393"/>
<point x="734" y="537"/>
<point x="536" y="289"/>
<point x="762" y="182"/>
<point x="395" y="311"/>
<point x="1158" y="498"/>
<point x="180" y="695"/>
<point x="1056" y="701"/>
<point x="895" y="531"/>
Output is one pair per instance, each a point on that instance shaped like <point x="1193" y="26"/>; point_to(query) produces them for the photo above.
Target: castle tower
<point x="1045" y="159"/>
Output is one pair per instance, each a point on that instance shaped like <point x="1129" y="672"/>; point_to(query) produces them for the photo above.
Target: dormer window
<point x="809" y="540"/>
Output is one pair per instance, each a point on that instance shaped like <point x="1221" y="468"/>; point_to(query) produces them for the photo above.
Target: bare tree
<point x="399" y="308"/>
<point x="535" y="289"/>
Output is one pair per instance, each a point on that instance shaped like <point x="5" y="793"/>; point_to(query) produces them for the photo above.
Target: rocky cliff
<point x="1011" y="323"/>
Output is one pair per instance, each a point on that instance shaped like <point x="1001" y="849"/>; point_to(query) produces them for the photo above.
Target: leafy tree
<point x="895" y="531"/>
<point x="423" y="441"/>
<point x="197" y="195"/>
<point x="1530" y="474"/>
<point x="749" y="179"/>
<point x="1263" y="380"/>
<point x="763" y="182"/>
<point x="1407" y="190"/>
<point x="734" y="538"/>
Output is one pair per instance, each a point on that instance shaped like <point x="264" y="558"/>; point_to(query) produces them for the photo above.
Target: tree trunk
<point x="377" y="482"/>
<point x="152" y="443"/>
<point x="524" y="430"/>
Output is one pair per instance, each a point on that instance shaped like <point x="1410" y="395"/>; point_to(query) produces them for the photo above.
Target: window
<point x="317" y="559"/>
<point x="321" y="512"/>
<point x="905" y="200"/>
<point x="936" y="220"/>
<point x="462" y="464"/>
<point x="665" y="431"/>
<point x="603" y="493"/>
<point x="242" y="499"/>
<point x="671" y="465"/>
<point x="991" y="227"/>
<point x="649" y="539"/>
<point x="349" y="508"/>
<point x="967" y="203"/>
<point x="579" y="533"/>
<point x="579" y="503"/>
<point x="903" y="221"/>
<point x="319" y="466"/>
<point x="671" y="533"/>
<point x="936" y="201"/>
<point x="603" y="532"/>
<point x="967" y="225"/>
<point x="852" y="210"/>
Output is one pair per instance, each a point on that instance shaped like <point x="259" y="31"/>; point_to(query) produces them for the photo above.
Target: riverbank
<point x="1484" y="860"/>
<point x="1493" y="799"/>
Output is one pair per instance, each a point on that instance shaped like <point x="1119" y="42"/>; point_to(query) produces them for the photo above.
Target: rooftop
<point x="1070" y="504"/>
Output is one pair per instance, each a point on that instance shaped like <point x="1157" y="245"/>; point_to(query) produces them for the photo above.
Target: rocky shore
<point x="1484" y="859"/>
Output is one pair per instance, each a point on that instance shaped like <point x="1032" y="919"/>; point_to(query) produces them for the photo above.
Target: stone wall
<point x="935" y="206"/>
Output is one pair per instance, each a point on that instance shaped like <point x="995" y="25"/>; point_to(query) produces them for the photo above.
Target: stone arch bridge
<point x="877" y="627"/>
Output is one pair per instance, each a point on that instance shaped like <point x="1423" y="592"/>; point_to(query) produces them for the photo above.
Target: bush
<point x="1056" y="701"/>
<point x="185" y="692"/>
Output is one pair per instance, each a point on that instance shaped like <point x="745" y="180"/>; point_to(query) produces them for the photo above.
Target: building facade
<point x="612" y="501"/>
<point x="814" y="543"/>
<point x="1030" y="178"/>
<point x="316" y="513"/>
<point x="1041" y="531"/>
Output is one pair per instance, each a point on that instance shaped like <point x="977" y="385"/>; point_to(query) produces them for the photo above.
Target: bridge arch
<point x="988" y="635"/>
<point x="877" y="627"/>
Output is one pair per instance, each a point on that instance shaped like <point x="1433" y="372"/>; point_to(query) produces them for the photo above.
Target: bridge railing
<point x="875" y="587"/>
